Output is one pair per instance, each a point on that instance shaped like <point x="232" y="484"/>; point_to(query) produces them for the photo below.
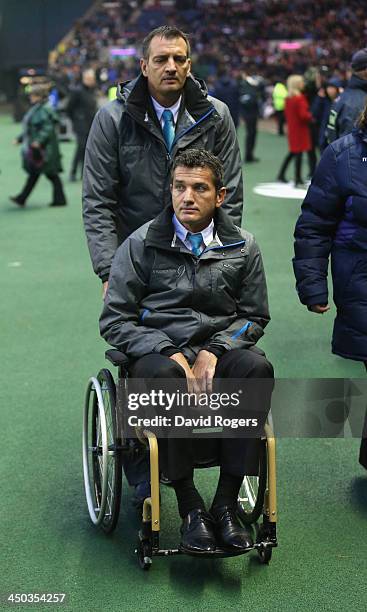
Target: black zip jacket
<point x="161" y="296"/>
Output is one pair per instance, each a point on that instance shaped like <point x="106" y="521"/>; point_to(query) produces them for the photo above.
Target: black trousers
<point x="78" y="159"/>
<point x="297" y="165"/>
<point x="251" y="133"/>
<point x="363" y="449"/>
<point x="280" y="121"/>
<point x="236" y="456"/>
<point x="58" y="196"/>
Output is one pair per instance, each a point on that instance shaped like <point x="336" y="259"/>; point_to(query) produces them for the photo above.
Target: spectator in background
<point x="40" y="148"/>
<point x="346" y="109"/>
<point x="227" y="90"/>
<point x="321" y="107"/>
<point x="298" y="118"/>
<point x="334" y="222"/>
<point x="252" y="98"/>
<point x="279" y="96"/>
<point x="81" y="108"/>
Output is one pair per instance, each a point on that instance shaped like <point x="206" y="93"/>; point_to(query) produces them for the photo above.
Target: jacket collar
<point x="161" y="231"/>
<point x="135" y="95"/>
<point x="357" y="83"/>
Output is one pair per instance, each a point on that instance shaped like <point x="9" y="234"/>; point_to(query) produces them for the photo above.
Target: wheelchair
<point x="103" y="448"/>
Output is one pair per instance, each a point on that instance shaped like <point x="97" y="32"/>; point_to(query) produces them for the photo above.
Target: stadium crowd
<point x="224" y="32"/>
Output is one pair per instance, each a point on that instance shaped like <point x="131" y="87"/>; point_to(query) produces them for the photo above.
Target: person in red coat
<point x="298" y="117"/>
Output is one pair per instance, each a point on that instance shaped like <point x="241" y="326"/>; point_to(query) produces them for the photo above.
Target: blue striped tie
<point x="168" y="128"/>
<point x="195" y="240"/>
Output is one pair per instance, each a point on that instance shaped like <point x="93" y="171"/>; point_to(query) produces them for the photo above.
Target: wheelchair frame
<point x="102" y="466"/>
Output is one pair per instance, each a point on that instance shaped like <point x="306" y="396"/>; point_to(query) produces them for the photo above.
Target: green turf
<point x="49" y="307"/>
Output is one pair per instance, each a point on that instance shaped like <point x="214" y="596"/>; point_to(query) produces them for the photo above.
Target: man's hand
<point x="204" y="370"/>
<point x="319" y="308"/>
<point x="190" y="378"/>
<point x="104" y="289"/>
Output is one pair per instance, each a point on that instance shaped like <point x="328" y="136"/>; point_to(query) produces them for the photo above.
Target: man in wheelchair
<point x="187" y="299"/>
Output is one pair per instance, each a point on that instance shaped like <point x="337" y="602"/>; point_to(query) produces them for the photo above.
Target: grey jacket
<point x="127" y="164"/>
<point x="162" y="296"/>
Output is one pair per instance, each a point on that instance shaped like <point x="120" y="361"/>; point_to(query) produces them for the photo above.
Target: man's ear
<point x="220" y="197"/>
<point x="171" y="187"/>
<point x="143" y="66"/>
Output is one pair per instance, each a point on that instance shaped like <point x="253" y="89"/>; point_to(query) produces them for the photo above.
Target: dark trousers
<point x="251" y="133"/>
<point x="236" y="456"/>
<point x="280" y="121"/>
<point x="78" y="159"/>
<point x="297" y="165"/>
<point x="58" y="196"/>
<point x="363" y="449"/>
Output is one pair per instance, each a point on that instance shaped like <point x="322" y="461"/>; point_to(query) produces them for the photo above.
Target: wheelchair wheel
<point x="101" y="452"/>
<point x="252" y="493"/>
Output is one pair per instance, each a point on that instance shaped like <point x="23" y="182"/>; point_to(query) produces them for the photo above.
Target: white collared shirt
<point x="181" y="233"/>
<point x="159" y="110"/>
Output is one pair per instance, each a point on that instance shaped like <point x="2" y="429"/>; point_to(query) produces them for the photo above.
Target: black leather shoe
<point x="17" y="200"/>
<point x="197" y="533"/>
<point x="230" y="533"/>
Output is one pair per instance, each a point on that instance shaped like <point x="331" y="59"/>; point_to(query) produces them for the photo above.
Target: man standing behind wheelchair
<point x="187" y="299"/>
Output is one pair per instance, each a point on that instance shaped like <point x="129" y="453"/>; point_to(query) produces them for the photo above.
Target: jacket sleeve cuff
<point x="168" y="351"/>
<point x="217" y="350"/>
<point x="321" y="299"/>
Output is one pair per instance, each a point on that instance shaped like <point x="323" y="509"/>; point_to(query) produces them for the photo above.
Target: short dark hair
<point x="199" y="158"/>
<point x="164" y="32"/>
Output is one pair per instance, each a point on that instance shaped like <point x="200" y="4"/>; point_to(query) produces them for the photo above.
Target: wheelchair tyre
<point x="101" y="452"/>
<point x="252" y="493"/>
<point x="265" y="555"/>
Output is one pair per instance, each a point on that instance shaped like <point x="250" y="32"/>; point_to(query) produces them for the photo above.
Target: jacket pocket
<point x="164" y="279"/>
<point x="227" y="276"/>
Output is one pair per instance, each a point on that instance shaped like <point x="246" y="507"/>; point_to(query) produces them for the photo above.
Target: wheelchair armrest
<point x="117" y="358"/>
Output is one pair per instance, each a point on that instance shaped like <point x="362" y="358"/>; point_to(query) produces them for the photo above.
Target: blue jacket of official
<point x="334" y="222"/>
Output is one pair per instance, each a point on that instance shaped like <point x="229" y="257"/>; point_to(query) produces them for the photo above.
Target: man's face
<point x="194" y="197"/>
<point x="166" y="68"/>
<point x="332" y="92"/>
<point x="89" y="79"/>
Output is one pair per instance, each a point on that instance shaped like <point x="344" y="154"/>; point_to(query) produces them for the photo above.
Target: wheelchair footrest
<point x="218" y="553"/>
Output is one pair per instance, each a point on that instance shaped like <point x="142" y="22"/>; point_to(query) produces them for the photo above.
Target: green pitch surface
<point x="49" y="308"/>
